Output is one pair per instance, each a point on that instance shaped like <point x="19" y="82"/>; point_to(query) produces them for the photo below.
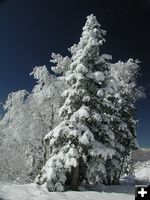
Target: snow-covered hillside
<point x="142" y="154"/>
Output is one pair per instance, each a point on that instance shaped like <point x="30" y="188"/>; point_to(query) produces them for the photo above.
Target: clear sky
<point x="30" y="30"/>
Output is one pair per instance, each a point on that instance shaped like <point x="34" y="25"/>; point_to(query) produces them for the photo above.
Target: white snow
<point x="97" y="117"/>
<point x="125" y="191"/>
<point x="99" y="76"/>
<point x="81" y="69"/>
<point x="86" y="99"/>
<point x="72" y="152"/>
<point x="100" y="93"/>
<point x="36" y="192"/>
<point x="142" y="170"/>
<point x="86" y="137"/>
<point x="100" y="149"/>
<point x="80" y="114"/>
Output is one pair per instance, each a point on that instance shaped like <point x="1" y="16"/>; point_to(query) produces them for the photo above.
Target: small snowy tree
<point x="28" y="117"/>
<point x="12" y="150"/>
<point x="82" y="141"/>
<point x="45" y="99"/>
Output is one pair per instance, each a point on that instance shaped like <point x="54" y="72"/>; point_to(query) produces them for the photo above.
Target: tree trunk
<point x="75" y="177"/>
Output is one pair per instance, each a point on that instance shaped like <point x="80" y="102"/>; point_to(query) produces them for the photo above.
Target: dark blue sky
<point x="31" y="30"/>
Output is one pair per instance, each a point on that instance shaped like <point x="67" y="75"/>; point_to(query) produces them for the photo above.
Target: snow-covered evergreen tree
<point x="81" y="143"/>
<point x="94" y="133"/>
<point x="125" y="122"/>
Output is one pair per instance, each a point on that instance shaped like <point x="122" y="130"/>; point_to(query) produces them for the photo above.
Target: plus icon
<point x="142" y="192"/>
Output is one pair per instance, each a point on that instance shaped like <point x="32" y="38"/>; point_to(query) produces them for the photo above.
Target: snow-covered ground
<point x="35" y="192"/>
<point x="124" y="191"/>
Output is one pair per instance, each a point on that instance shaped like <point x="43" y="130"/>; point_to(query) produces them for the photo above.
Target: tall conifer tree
<point x="82" y="141"/>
